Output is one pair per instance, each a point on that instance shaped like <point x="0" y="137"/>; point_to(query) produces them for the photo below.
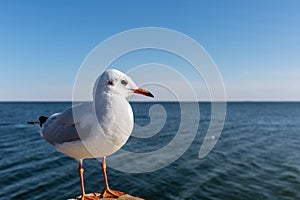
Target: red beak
<point x="143" y="92"/>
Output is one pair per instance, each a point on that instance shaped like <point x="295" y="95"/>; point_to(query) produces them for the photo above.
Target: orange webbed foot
<point x="108" y="193"/>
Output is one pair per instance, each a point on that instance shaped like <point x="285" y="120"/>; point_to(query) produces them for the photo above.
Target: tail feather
<point x="42" y="120"/>
<point x="38" y="123"/>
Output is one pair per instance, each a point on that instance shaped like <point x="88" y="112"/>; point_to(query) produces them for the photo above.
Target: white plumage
<point x="96" y="129"/>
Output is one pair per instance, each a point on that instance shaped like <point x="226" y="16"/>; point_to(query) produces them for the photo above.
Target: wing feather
<point x="61" y="127"/>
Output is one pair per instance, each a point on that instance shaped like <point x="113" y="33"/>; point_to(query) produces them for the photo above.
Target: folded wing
<point x="61" y="127"/>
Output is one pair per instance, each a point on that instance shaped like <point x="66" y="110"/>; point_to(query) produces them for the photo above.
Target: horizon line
<point x="158" y="101"/>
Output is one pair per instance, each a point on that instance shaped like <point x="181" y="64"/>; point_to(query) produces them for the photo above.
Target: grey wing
<point x="60" y="128"/>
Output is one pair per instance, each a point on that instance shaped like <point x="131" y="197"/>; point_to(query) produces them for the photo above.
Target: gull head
<point x="114" y="82"/>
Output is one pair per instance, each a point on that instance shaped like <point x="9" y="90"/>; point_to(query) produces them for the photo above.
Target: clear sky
<point x="255" y="44"/>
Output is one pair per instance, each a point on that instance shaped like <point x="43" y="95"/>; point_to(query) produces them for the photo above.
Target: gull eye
<point x="124" y="82"/>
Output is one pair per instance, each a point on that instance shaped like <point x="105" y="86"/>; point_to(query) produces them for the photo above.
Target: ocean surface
<point x="256" y="157"/>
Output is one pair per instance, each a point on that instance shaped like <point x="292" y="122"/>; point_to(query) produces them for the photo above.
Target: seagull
<point x="99" y="128"/>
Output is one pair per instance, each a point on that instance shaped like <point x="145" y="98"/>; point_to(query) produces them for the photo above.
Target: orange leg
<point x="83" y="195"/>
<point x="108" y="192"/>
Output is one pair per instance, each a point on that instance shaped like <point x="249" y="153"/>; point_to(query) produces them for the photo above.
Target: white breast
<point x="110" y="130"/>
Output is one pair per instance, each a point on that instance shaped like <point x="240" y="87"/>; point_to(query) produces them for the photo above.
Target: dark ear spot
<point x="110" y="82"/>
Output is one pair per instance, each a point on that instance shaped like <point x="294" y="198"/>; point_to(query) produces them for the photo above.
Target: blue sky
<point x="255" y="44"/>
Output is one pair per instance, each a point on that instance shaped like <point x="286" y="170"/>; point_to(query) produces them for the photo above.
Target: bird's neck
<point x="110" y="103"/>
<point x="115" y="115"/>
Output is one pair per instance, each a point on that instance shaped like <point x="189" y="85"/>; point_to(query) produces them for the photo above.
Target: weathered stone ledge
<point x="124" y="197"/>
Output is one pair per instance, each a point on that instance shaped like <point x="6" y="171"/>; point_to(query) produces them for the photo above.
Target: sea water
<point x="256" y="157"/>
